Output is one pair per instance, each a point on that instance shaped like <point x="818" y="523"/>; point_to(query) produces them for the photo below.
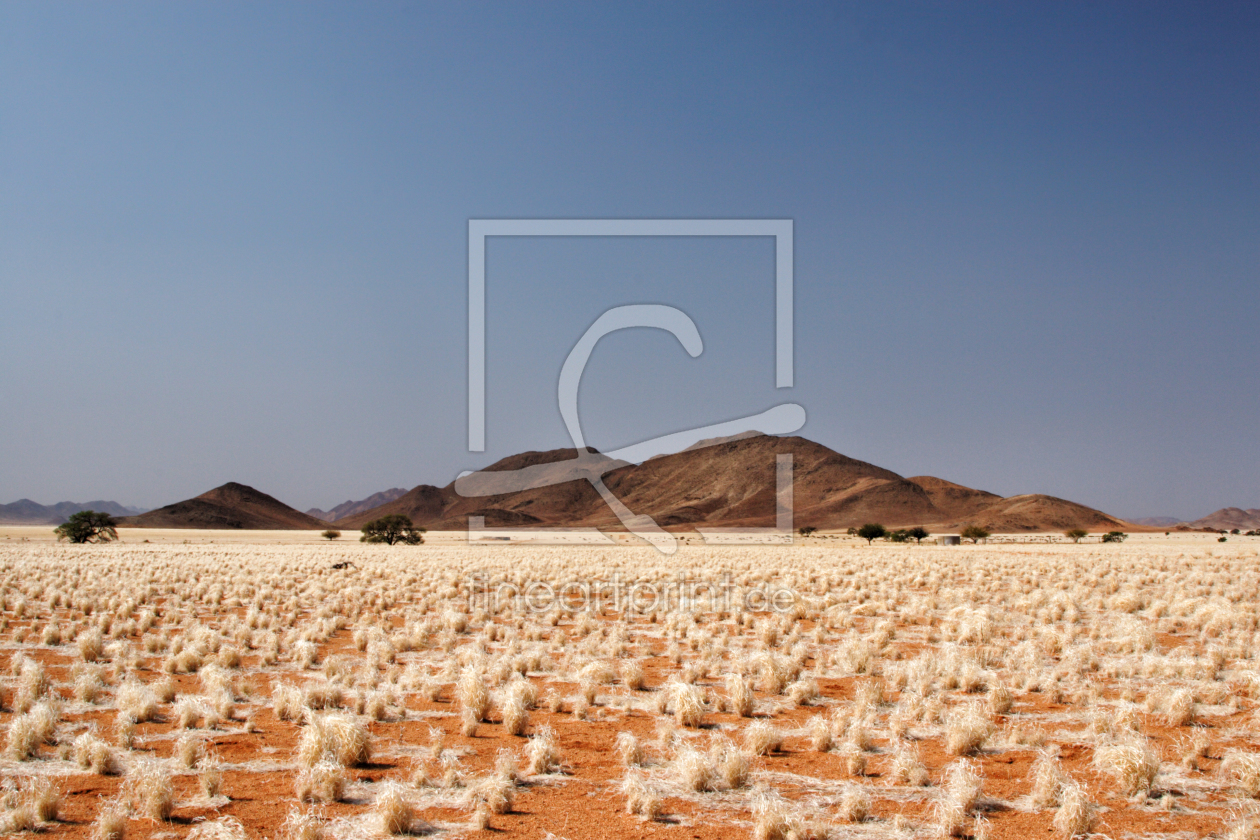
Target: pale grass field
<point x="237" y="686"/>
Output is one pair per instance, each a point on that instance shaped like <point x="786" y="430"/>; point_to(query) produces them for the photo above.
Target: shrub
<point x="391" y="529"/>
<point x="871" y="531"/>
<point x="88" y="526"/>
<point x="975" y="533"/>
<point x="1114" y="537"/>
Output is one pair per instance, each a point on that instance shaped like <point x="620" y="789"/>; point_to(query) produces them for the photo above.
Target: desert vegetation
<point x="765" y="692"/>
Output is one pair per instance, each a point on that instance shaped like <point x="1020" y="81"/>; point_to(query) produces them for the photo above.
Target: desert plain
<point x="274" y="684"/>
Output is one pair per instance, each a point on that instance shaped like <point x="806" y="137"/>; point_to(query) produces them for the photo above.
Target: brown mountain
<point x="230" y="506"/>
<point x="1226" y="519"/>
<point x="730" y="483"/>
<point x="349" y="508"/>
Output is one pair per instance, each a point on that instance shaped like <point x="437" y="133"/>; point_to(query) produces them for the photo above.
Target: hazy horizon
<point x="234" y="240"/>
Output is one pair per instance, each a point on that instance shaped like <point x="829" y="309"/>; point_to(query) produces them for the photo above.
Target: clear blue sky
<point x="233" y="238"/>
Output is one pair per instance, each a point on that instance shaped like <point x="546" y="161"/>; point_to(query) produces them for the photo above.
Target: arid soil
<point x="1002" y="691"/>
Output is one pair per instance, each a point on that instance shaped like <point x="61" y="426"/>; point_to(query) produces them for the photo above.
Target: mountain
<point x="726" y="484"/>
<point x="230" y="506"/>
<point x="350" y="508"/>
<point x="1157" y="521"/>
<point x="1226" y="519"/>
<point x="26" y="512"/>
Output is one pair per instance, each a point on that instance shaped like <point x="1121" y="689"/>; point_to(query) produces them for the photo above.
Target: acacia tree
<point x="918" y="533"/>
<point x="975" y="533"/>
<point x="394" y="528"/>
<point x="331" y="534"/>
<point x="871" y="531"/>
<point x="1076" y="534"/>
<point x="807" y="530"/>
<point x="88" y="526"/>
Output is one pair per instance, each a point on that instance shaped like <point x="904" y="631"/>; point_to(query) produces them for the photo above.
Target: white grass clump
<point x="542" y="754"/>
<point x="739" y="697"/>
<point x="1076" y="816"/>
<point x="1132" y="763"/>
<point x="1048" y="781"/>
<point x="324" y="781"/>
<point x="151" y="790"/>
<point x="762" y="738"/>
<point x="957" y="798"/>
<point x="336" y="737"/>
<point x="111" y="821"/>
<point x="305" y="825"/>
<point x="629" y="750"/>
<point x="687" y="701"/>
<point x="642" y="799"/>
<point x="967" y="732"/>
<point x="395" y="813"/>
<point x="91" y="753"/>
<point x="1243" y="771"/>
<point x="224" y="828"/>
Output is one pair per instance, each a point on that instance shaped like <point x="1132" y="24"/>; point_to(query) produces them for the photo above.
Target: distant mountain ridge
<point x="349" y="508"/>
<point x="728" y="484"/>
<point x="231" y="505"/>
<point x="26" y="512"/>
<point x="1158" y="521"/>
<point x="1226" y="519"/>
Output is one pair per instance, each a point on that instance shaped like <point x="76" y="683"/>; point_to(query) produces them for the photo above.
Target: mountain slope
<point x="229" y="506"/>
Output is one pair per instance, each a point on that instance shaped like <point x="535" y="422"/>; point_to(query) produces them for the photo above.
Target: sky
<point x="234" y="239"/>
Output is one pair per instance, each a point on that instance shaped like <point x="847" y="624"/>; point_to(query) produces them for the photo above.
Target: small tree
<point x="899" y="536"/>
<point x="331" y="534"/>
<point x="88" y="526"/>
<point x="871" y="531"/>
<point x="918" y="533"/>
<point x="975" y="533"/>
<point x="1115" y="537"/>
<point x="807" y="530"/>
<point x="394" y="528"/>
<point x="1076" y="534"/>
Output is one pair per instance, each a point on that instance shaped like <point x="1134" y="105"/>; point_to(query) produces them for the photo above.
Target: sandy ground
<point x="1092" y="642"/>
